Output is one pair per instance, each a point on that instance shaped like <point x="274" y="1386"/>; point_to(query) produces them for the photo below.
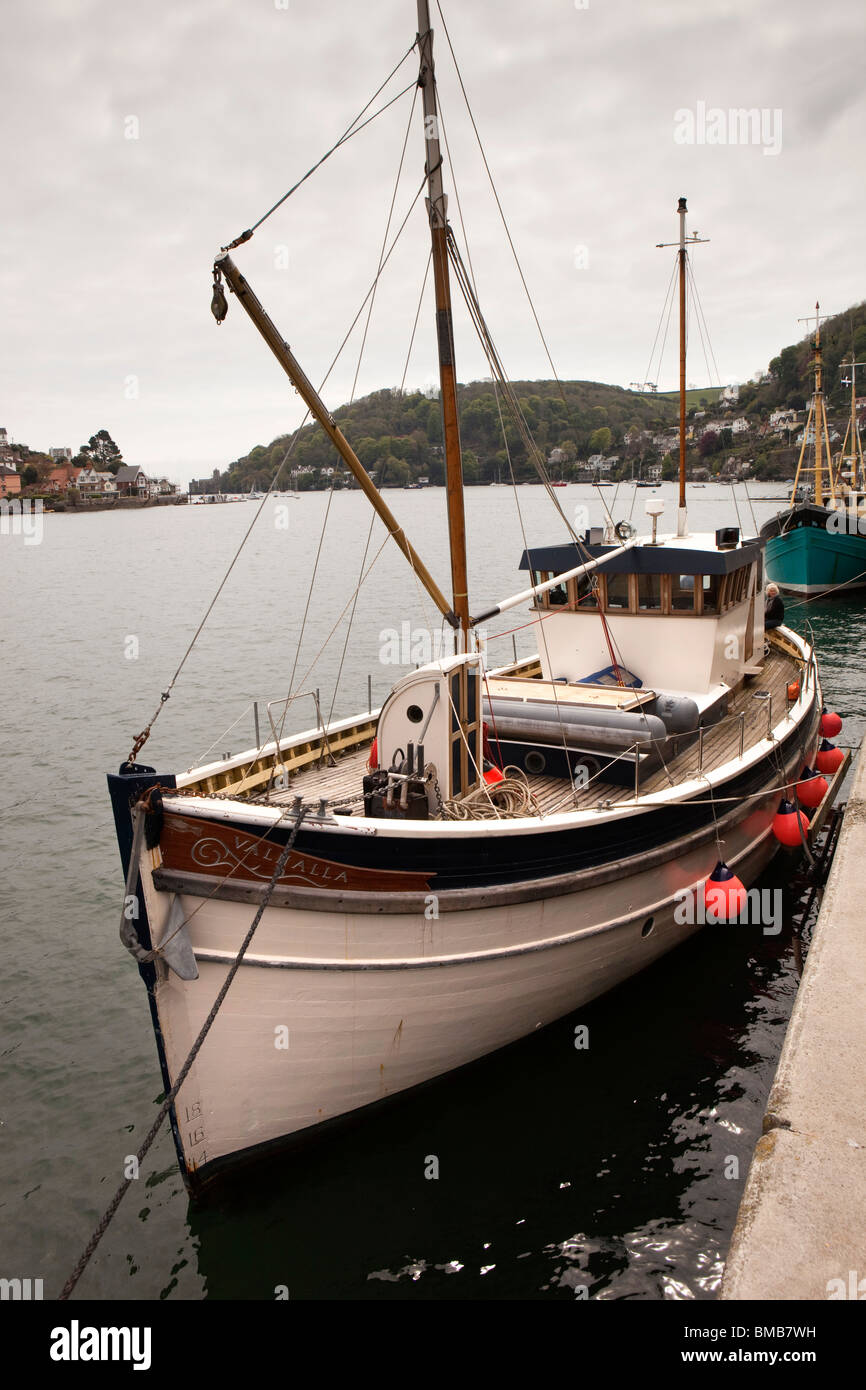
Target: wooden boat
<point x="426" y="887"/>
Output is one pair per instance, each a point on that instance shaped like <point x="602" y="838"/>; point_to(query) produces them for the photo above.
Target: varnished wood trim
<point x="462" y="899"/>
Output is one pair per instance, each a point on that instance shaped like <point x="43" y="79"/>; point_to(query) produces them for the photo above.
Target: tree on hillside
<point x="102" y="453"/>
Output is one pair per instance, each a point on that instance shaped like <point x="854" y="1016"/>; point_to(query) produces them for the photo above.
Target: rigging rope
<point x="142" y="738"/>
<point x="662" y="320"/>
<point x="164" y="1109"/>
<point x="700" y="316"/>
<point x="353" y="129"/>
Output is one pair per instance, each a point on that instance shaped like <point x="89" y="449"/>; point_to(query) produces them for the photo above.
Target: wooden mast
<point x="817" y="417"/>
<point x="682" y="523"/>
<point x="437" y="207"/>
<point x="682" y="244"/>
<point x="819" y="410"/>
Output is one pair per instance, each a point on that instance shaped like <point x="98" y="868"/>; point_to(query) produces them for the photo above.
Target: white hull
<point x="374" y="1005"/>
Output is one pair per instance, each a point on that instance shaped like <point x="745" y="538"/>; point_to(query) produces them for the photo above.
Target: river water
<point x="608" y="1169"/>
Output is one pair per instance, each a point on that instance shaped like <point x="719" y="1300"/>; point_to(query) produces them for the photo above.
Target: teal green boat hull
<point x="809" y="556"/>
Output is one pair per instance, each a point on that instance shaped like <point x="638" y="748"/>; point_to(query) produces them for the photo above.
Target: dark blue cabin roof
<point x="643" y="559"/>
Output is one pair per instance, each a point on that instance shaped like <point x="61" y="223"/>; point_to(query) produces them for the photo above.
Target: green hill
<point x="398" y="434"/>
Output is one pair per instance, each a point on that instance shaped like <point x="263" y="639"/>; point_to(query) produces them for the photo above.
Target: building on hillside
<point x="61" y="478"/>
<point x="783" y="419"/>
<point x="60" y="454"/>
<point x="91" y="481"/>
<point x="10" y="481"/>
<point x="730" y="393"/>
<point x="600" y="464"/>
<point x="740" y="425"/>
<point x="132" y="482"/>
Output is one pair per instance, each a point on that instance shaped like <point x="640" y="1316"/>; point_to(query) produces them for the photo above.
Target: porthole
<point x="647" y="927"/>
<point x="415" y="713"/>
<point x="535" y="761"/>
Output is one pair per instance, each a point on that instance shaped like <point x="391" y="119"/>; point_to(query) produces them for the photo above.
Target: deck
<point x="754" y="707"/>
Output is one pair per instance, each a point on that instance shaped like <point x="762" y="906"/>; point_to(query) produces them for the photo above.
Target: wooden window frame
<point x="635" y="607"/>
<point x="682" y="612"/>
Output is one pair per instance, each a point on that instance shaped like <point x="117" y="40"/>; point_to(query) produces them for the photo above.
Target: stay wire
<point x="141" y="738"/>
<point x="169" y="1100"/>
<point x="352" y="397"/>
<point x="353" y="129"/>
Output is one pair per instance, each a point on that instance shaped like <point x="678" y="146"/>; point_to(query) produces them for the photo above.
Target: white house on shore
<point x="91" y="481"/>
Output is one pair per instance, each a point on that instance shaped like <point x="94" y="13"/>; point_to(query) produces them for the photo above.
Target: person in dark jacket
<point x="774" y="608"/>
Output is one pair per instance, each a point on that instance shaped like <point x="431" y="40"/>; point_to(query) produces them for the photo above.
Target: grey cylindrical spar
<point x="546" y="722"/>
<point x="526" y="594"/>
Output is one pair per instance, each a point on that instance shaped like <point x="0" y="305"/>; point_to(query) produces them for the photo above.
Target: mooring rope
<point x="121" y="1192"/>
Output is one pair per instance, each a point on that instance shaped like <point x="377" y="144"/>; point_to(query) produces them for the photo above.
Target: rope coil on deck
<point x="506" y="800"/>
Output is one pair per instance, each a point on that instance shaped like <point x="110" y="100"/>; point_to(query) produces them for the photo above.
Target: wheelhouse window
<point x="710" y="593"/>
<point x="540" y="577"/>
<point x="557" y="597"/>
<point x="617" y="592"/>
<point x="586" y="591"/>
<point x="682" y="593"/>
<point x="649" y="593"/>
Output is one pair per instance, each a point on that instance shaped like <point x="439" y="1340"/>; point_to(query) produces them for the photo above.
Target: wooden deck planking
<point x="341" y="783"/>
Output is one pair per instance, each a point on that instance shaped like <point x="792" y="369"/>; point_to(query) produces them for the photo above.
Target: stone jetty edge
<point x="801" y="1227"/>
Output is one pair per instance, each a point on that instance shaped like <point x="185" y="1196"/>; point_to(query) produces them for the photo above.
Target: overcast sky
<point x="108" y="241"/>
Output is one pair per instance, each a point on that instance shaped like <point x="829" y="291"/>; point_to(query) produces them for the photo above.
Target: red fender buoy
<point x="828" y="757"/>
<point x="493" y="775"/>
<point x="787" y="823"/>
<point x="812" y="788"/>
<point x="373" y="760"/>
<point x="831" y="723"/>
<point x="724" y="895"/>
<point x="793" y="691"/>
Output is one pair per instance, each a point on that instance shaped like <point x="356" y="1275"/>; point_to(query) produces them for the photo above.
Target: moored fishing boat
<point x="396" y="894"/>
<point x="818" y="543"/>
